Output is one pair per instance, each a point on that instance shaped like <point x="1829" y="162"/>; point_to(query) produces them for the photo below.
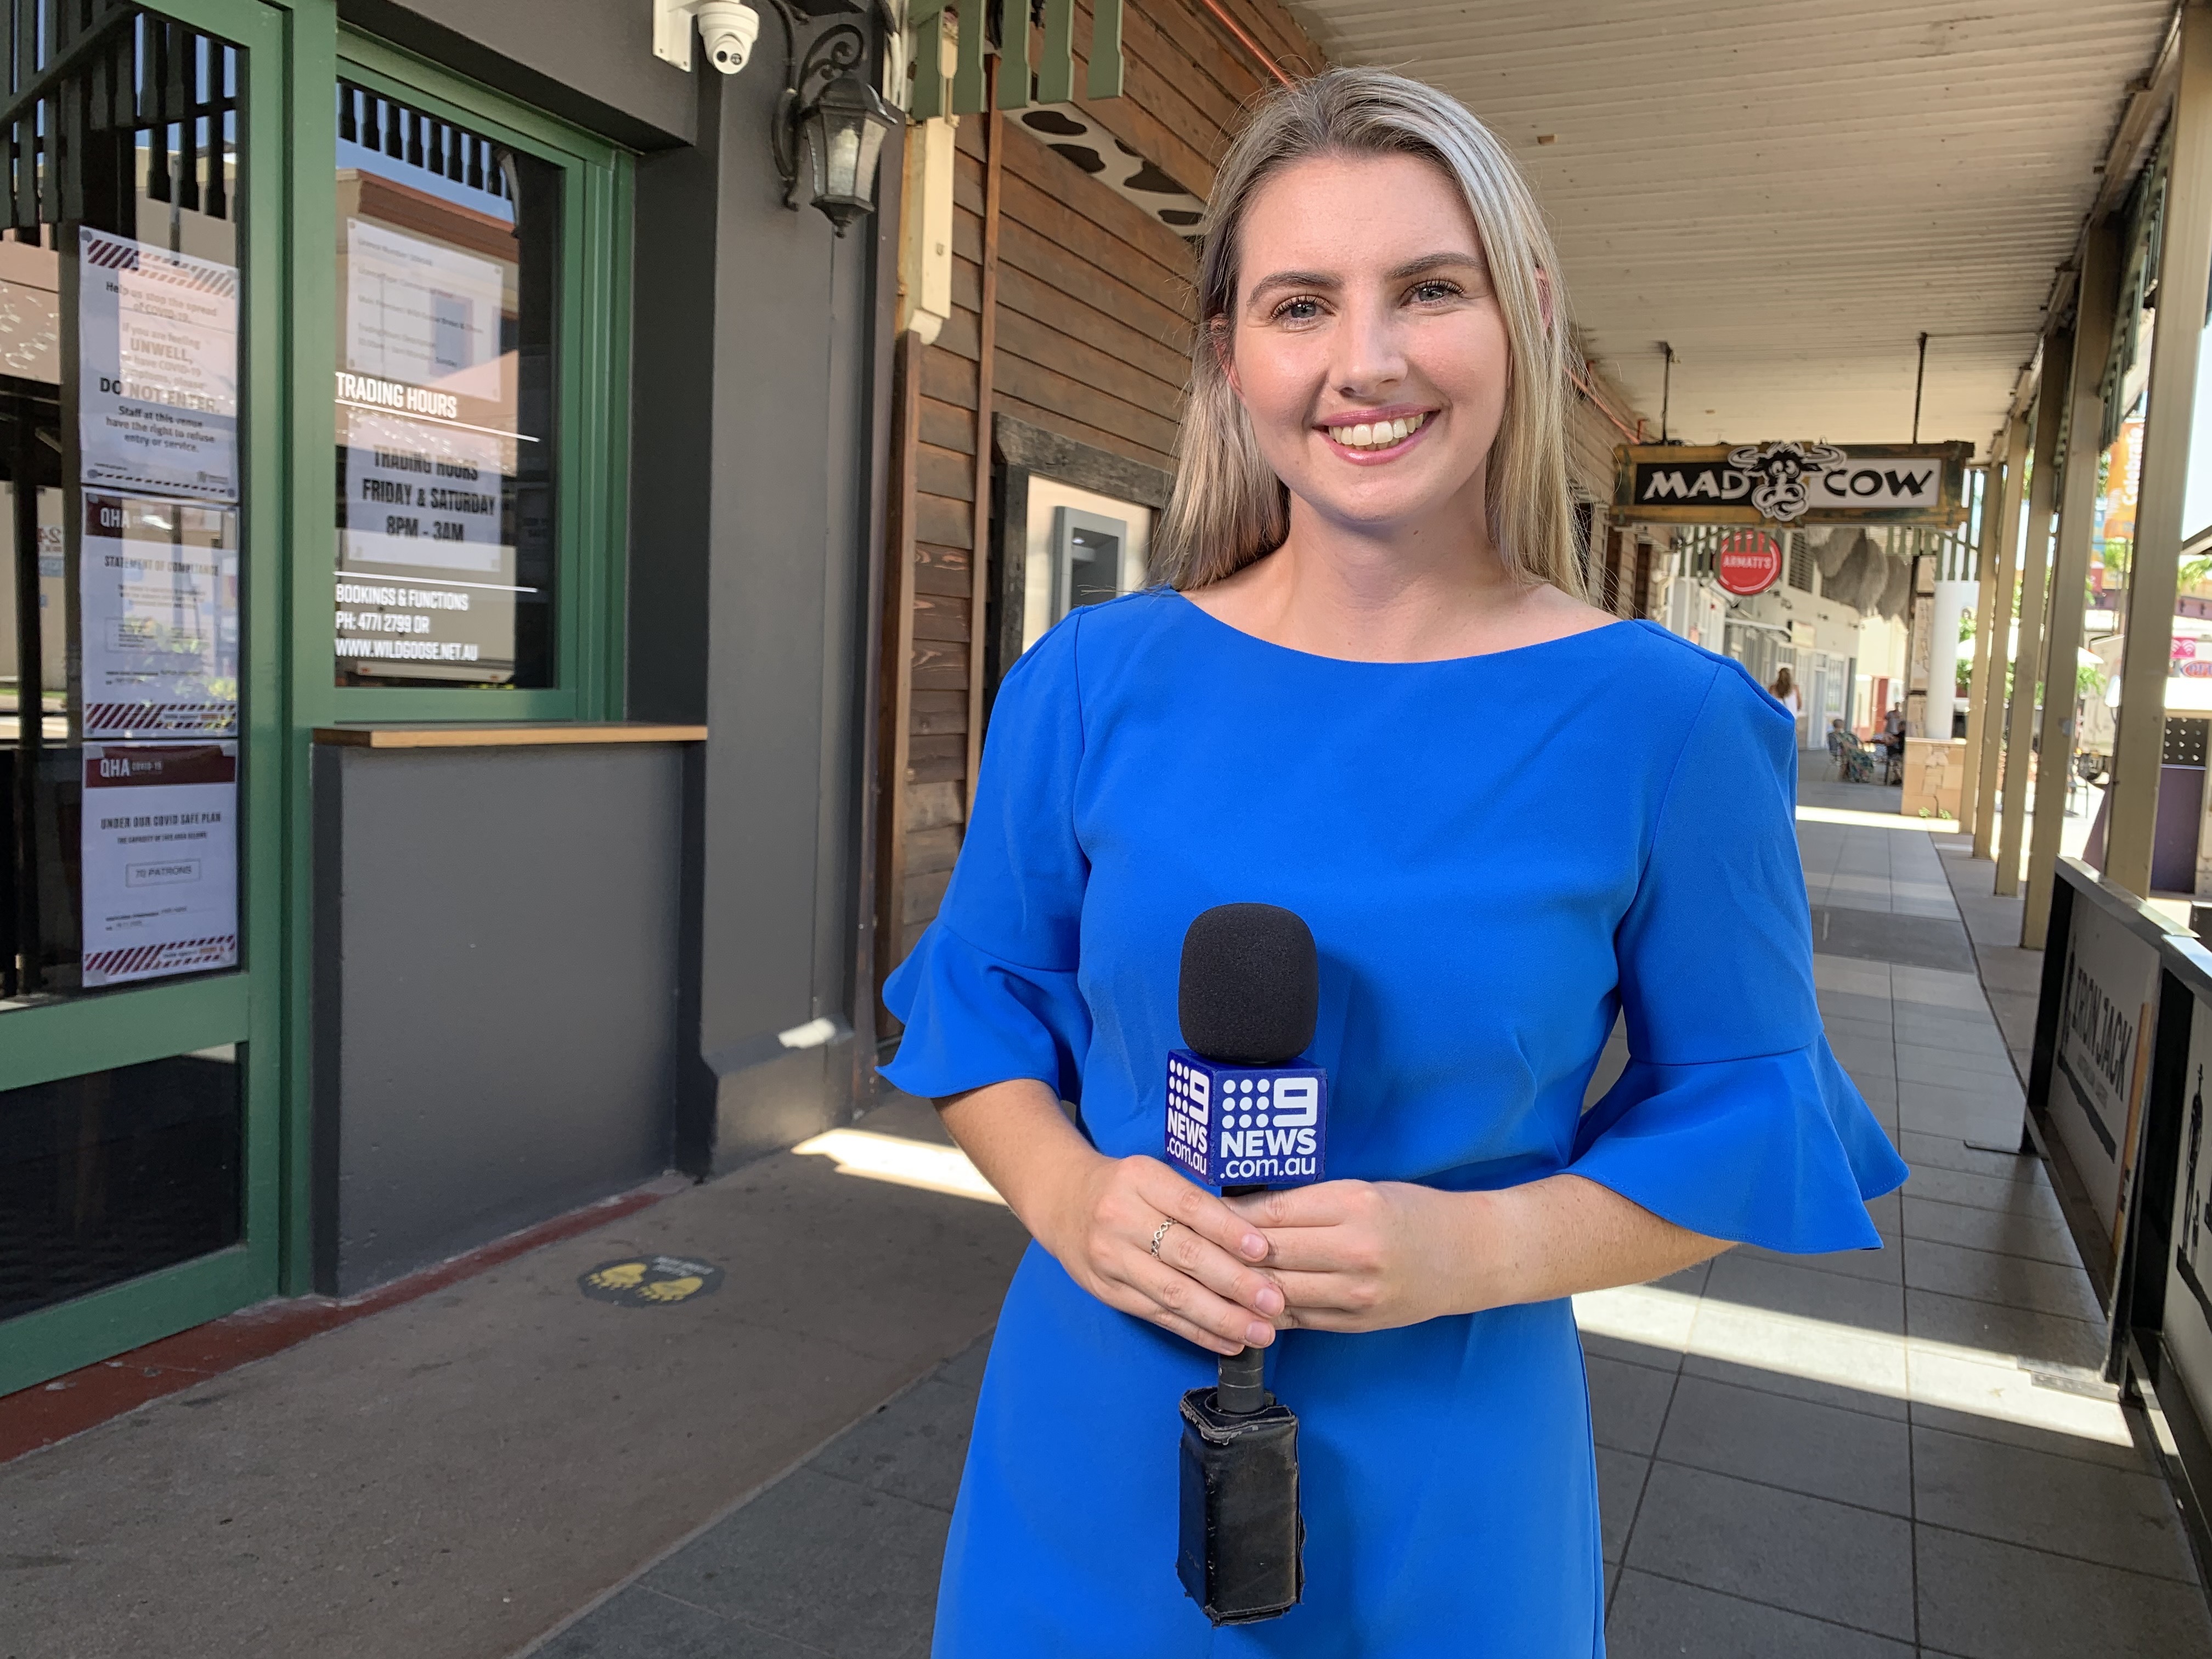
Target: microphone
<point x="1244" y="1115"/>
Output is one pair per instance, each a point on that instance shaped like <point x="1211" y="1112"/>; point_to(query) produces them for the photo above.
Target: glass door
<point x="142" y="727"/>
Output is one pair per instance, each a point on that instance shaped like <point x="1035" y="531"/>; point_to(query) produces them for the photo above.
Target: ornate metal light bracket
<point x="828" y="56"/>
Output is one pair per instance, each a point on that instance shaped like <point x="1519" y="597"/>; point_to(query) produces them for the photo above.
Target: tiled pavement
<point x="1893" y="1452"/>
<point x="1883" y="1454"/>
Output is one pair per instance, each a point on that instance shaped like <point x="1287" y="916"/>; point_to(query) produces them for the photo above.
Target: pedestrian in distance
<point x="1892" y="740"/>
<point x="1785" y="693"/>
<point x="1365" y="686"/>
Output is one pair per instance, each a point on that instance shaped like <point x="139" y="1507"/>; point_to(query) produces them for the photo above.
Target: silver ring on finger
<point x="1161" y="1232"/>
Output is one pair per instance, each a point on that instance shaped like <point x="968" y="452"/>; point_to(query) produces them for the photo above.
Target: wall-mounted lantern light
<point x="829" y="124"/>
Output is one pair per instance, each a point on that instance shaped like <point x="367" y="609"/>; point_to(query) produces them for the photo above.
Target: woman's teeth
<point x="1379" y="434"/>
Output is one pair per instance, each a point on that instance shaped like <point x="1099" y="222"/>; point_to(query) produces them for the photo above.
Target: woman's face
<point x="1367" y="342"/>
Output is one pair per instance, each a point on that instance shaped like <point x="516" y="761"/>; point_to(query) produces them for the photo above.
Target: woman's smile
<point x="1370" y="438"/>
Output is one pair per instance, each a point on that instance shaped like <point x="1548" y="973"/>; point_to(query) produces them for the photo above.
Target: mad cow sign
<point x="1791" y="482"/>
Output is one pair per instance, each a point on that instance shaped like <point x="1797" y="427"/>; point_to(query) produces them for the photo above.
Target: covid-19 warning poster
<point x="159" y="850"/>
<point x="158" y="597"/>
<point x="157" y="368"/>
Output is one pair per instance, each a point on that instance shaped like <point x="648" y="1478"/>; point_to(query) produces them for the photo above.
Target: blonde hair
<point x="1228" y="508"/>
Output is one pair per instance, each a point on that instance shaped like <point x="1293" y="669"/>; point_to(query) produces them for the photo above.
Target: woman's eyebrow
<point x="1294" y="279"/>
<point x="1422" y="266"/>
<point x="1429" y="262"/>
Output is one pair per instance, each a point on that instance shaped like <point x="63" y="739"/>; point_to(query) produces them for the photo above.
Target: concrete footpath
<point x="453" y="1478"/>
<point x="1875" y="1455"/>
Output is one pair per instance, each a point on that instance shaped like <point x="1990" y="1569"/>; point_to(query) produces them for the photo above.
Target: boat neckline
<point x="1208" y="618"/>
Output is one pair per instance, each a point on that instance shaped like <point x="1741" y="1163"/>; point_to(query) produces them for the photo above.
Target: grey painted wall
<point x="672" y="456"/>
<point x="588" y="61"/>
<point x="756" y="437"/>
<point x="496" y="958"/>
<point x="752" y="468"/>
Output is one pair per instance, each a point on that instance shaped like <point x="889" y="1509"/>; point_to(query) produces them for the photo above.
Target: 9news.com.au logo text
<point x="1246" y="1126"/>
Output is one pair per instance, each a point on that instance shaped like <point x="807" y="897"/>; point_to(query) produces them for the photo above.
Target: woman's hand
<point x="1202" y="1285"/>
<point x="1370" y="1256"/>
<point x="1344" y="1256"/>
<point x="1360" y="1256"/>
<point x="1098" y="1215"/>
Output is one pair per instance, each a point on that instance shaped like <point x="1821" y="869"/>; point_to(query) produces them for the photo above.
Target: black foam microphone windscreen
<point x="1250" y="987"/>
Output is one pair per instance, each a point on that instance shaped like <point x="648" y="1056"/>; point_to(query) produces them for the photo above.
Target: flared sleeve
<point x="1733" y="1118"/>
<point x="990" y="993"/>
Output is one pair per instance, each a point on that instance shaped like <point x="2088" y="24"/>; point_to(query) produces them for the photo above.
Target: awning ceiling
<point x="1790" y="190"/>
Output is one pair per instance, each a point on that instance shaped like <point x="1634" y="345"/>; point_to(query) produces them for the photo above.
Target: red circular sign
<point x="1747" y="562"/>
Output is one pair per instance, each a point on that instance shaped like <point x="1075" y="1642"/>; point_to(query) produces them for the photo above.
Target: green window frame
<point x="45" y="1042"/>
<point x="296" y="51"/>
<point x="591" y="426"/>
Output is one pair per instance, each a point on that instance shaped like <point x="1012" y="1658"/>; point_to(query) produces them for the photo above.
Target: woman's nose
<point x="1370" y="351"/>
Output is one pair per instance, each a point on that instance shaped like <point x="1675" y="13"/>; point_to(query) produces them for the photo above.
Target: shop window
<point x="1080" y="547"/>
<point x="120" y="480"/>
<point x="1086" y="558"/>
<point x="476" y="404"/>
<point x="1070" y="525"/>
<point x="446" y="252"/>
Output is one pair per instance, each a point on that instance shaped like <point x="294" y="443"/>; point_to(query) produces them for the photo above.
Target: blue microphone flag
<point x="1247" y="1126"/>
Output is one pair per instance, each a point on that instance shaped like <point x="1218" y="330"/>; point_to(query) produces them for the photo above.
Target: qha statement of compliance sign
<point x="157" y="365"/>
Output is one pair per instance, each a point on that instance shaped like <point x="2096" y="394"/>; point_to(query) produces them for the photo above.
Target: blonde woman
<point x="1366" y="689"/>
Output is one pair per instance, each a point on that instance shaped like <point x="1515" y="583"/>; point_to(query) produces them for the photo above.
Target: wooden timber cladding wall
<point x="1621" y="563"/>
<point x="1591" y="438"/>
<point x="1072" y="312"/>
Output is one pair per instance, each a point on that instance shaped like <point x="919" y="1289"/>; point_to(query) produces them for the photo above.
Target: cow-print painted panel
<point x="1064" y="127"/>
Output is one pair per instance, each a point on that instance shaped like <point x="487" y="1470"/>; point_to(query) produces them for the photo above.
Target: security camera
<point x="729" y="28"/>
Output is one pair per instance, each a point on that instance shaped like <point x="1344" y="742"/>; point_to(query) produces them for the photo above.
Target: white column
<point x="2185" y="269"/>
<point x="1953" y="600"/>
<point x="2034" y="574"/>
<point x="1993" y="646"/>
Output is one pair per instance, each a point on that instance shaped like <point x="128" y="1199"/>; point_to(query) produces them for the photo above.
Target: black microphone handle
<point x="1241" y="1389"/>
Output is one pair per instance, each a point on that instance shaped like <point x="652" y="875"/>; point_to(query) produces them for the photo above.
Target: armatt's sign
<point x="1790" y="483"/>
<point x="1747" y="562"/>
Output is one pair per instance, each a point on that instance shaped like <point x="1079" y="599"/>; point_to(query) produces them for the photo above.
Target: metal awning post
<point x="2070" y="568"/>
<point x="2035" y="565"/>
<point x="1990" y="665"/>
<point x="2185" y="262"/>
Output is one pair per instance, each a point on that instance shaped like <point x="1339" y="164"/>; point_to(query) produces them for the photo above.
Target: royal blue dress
<point x="1496" y="854"/>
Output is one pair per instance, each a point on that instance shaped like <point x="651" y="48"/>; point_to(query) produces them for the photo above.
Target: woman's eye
<point x="1429" y="292"/>
<point x="1303" y="309"/>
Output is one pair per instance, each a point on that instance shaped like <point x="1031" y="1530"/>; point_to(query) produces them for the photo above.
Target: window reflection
<point x="119" y="526"/>
<point x="446" y="245"/>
